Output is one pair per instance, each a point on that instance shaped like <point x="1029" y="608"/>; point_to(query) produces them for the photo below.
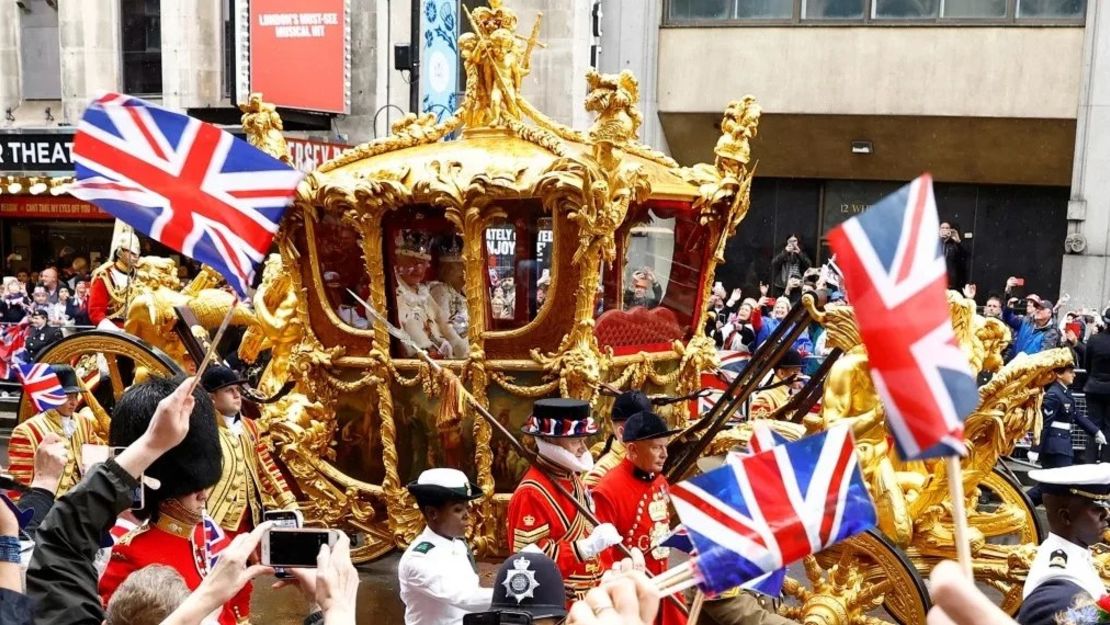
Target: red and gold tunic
<point x="637" y="504"/>
<point x="27" y="436"/>
<point x="183" y="546"/>
<point x="108" y="294"/>
<point x="249" y="481"/>
<point x="540" y="515"/>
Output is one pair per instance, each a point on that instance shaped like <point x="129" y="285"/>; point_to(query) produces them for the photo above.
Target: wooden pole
<point x="959" y="514"/>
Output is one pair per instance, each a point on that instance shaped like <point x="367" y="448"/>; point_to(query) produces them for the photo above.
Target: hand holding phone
<point x="285" y="519"/>
<point x="295" y="547"/>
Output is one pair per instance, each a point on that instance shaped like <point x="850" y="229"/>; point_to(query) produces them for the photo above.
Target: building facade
<point x="860" y="96"/>
<point x="197" y="56"/>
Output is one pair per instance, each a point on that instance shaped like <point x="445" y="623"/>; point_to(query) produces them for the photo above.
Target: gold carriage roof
<point x="500" y="133"/>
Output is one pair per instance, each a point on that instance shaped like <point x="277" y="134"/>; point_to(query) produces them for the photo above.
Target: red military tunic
<point x="637" y="504"/>
<point x="187" y="550"/>
<point x="539" y="515"/>
<point x="107" y="295"/>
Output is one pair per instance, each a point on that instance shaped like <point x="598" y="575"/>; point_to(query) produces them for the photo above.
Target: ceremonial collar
<point x="638" y="473"/>
<point x="554" y="470"/>
<point x="174" y="519"/>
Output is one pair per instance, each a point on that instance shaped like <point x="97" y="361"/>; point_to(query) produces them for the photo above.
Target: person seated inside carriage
<point x="643" y="290"/>
<point x="419" y="311"/>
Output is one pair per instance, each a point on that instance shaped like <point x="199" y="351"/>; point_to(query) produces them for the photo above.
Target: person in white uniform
<point x="1076" y="499"/>
<point x="438" y="574"/>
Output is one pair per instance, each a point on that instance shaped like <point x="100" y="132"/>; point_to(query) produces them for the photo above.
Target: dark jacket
<point x="15" y="608"/>
<point x="61" y="580"/>
<point x="1028" y="337"/>
<point x="1096" y="361"/>
<point x="39" y="339"/>
<point x="783" y="265"/>
<point x="1060" y="416"/>
<point x="955" y="264"/>
<point x="1047" y="600"/>
<point x="14" y="310"/>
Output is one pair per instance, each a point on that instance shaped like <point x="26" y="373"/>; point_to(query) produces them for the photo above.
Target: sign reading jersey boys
<point x="439" y="57"/>
<point x="300" y="54"/>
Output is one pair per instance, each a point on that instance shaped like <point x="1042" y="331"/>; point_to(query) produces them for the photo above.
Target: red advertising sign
<point x="49" y="207"/>
<point x="308" y="154"/>
<point x="298" y="53"/>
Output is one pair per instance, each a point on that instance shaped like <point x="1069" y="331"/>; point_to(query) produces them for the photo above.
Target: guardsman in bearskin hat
<point x="540" y="515"/>
<point x="108" y="293"/>
<point x="625" y="405"/>
<point x="437" y="573"/>
<point x="778" y="391"/>
<point x="75" y="429"/>
<point x="250" y="481"/>
<point x="530" y="582"/>
<point x="634" y="498"/>
<point x="175" y="532"/>
<point x="1076" y="500"/>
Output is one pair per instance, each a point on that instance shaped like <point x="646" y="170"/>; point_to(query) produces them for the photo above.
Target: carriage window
<point x="341" y="269"/>
<point x="428" y="284"/>
<point x="518" y="267"/>
<point x="648" y="301"/>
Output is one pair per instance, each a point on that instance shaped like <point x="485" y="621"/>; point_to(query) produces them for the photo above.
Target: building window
<point x="974" y="9"/>
<point x="1051" y="9"/>
<point x="833" y="9"/>
<point x="939" y="12"/>
<point x="142" y="46"/>
<point x="906" y="9"/>
<point x="39" y="51"/>
<point x="701" y="10"/>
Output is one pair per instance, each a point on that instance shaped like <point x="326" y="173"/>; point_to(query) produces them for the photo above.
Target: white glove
<point x="1100" y="438"/>
<point x="1033" y="456"/>
<point x="603" y="537"/>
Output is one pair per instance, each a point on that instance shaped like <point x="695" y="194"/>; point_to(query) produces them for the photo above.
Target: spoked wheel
<point x="108" y="363"/>
<point x="1006" y="516"/>
<point x="999" y="489"/>
<point x="864" y="580"/>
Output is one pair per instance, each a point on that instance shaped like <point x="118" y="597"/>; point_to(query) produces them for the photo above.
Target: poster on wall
<point x="439" y="76"/>
<point x="300" y="54"/>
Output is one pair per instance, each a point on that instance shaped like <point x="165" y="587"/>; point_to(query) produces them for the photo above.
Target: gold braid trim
<point x="530" y="392"/>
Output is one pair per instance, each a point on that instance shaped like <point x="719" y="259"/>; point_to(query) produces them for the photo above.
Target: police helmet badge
<point x="520" y="583"/>
<point x="1058" y="559"/>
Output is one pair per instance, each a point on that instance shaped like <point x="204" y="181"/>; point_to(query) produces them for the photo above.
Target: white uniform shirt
<point x="1079" y="568"/>
<point x="438" y="582"/>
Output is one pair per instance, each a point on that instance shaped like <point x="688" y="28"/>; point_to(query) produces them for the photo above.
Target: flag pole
<point x="959" y="514"/>
<point x="212" y="346"/>
<point x="695" y="608"/>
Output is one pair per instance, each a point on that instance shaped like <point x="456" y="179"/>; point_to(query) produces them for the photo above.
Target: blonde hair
<point x="147" y="597"/>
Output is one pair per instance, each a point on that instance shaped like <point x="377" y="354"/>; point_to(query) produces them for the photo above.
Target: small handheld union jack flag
<point x="757" y="514"/>
<point x="185" y="183"/>
<point x="41" y="385"/>
<point x="895" y="274"/>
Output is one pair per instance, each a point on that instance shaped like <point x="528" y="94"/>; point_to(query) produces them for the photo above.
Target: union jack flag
<point x="41" y="385"/>
<point x="895" y="274"/>
<point x="757" y="514"/>
<point x="185" y="183"/>
<point x="717" y="382"/>
<point x="13" y="348"/>
<point x="769" y="584"/>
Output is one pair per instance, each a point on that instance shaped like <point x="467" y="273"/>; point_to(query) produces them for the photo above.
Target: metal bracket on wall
<point x="1077" y="210"/>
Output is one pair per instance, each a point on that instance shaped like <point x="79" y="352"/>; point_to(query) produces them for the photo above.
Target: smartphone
<point x="295" y="547"/>
<point x="498" y="617"/>
<point x="289" y="519"/>
<point x="1019" y="281"/>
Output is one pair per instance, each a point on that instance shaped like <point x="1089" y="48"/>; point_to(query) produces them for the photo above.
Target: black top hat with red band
<point x="560" y="418"/>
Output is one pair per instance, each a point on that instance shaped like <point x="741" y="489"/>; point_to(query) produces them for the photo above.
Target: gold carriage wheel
<point x="854" y="578"/>
<point x="124" y="358"/>
<point x="1007" y="491"/>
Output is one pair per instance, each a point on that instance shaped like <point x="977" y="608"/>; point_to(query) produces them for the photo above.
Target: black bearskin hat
<point x="193" y="465"/>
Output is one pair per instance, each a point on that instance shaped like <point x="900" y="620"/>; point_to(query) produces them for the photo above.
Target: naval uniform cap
<point x="1091" y="481"/>
<point x="438" y="486"/>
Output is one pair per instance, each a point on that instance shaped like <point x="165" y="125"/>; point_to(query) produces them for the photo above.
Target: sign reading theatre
<point x="36" y="152"/>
